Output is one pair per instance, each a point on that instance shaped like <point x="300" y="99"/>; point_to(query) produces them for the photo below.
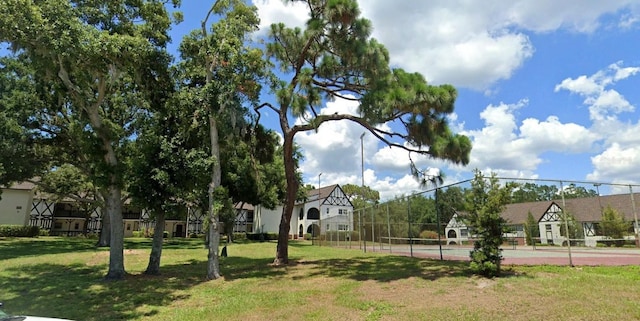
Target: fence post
<point x="566" y="223"/>
<point x="389" y="227"/>
<point x="373" y="229"/>
<point x="409" y="221"/>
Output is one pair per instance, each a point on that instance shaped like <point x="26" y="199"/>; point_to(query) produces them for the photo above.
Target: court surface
<point x="521" y="255"/>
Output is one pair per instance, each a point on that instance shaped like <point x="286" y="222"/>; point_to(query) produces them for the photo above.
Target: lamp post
<point x="319" y="212"/>
<point x="362" y="189"/>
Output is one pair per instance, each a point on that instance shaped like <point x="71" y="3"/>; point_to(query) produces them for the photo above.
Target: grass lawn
<point x="62" y="277"/>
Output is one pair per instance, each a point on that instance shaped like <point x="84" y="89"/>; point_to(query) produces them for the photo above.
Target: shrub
<point x="19" y="231"/>
<point x="239" y="236"/>
<point x="138" y="234"/>
<point x="428" y="234"/>
<point x="262" y="236"/>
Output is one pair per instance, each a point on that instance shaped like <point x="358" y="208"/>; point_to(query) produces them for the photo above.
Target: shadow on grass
<point x="11" y="248"/>
<point x="78" y="292"/>
<point x="18" y="247"/>
<point x="387" y="268"/>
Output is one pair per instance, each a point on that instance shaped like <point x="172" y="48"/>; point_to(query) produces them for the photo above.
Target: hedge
<point x="19" y="231"/>
<point x="262" y="236"/>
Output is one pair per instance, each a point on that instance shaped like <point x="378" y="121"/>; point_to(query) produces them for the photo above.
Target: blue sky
<point x="547" y="89"/>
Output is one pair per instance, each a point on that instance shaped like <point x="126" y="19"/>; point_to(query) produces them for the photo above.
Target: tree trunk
<point x="112" y="193"/>
<point x="213" y="265"/>
<point x="282" y="249"/>
<point x="113" y="206"/>
<point x="153" y="268"/>
<point x="105" y="229"/>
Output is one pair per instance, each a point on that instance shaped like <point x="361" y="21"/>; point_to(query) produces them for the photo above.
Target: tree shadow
<point x="387" y="268"/>
<point x="11" y="248"/>
<point x="78" y="292"/>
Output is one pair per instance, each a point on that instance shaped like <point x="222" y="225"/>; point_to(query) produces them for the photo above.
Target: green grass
<point x="63" y="277"/>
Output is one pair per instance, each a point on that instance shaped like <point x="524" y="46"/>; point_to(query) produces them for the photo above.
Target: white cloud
<point x="604" y="104"/>
<point x="467" y="43"/>
<point x="292" y="14"/>
<point x="619" y="159"/>
<point x="476" y="44"/>
<point x="504" y="146"/>
<point x="616" y="163"/>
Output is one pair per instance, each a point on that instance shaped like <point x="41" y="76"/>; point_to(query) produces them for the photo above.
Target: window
<point x="343" y="211"/>
<point x="328" y="227"/>
<point x="327" y="210"/>
<point x="343" y="227"/>
<point x="464" y="233"/>
<point x="76" y="226"/>
<point x="128" y="227"/>
<point x="548" y="227"/>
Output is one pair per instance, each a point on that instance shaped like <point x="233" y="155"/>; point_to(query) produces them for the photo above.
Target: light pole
<point x="319" y="212"/>
<point x="362" y="189"/>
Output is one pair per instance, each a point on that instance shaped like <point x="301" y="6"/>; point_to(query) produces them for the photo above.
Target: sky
<point x="546" y="89"/>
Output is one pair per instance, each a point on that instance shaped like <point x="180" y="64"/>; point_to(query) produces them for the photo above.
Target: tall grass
<point x="62" y="277"/>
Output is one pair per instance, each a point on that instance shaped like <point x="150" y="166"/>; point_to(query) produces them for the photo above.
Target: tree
<point x="335" y="58"/>
<point x="95" y="64"/>
<point x="360" y="196"/>
<point x="68" y="182"/>
<point x="450" y="201"/>
<point x="572" y="225"/>
<point x="165" y="169"/>
<point x="531" y="229"/>
<point x="431" y="177"/>
<point x="484" y="203"/>
<point x="573" y="191"/>
<point x="614" y="224"/>
<point x="222" y="74"/>
<point x="20" y="157"/>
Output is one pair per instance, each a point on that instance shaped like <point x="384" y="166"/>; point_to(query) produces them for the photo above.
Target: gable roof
<point x="586" y="209"/>
<point x="325" y="193"/>
<point x="21" y="186"/>
<point x="517" y="213"/>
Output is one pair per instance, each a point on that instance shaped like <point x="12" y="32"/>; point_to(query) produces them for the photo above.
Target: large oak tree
<point x="94" y="65"/>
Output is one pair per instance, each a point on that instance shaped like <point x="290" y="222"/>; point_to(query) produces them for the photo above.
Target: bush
<point x="262" y="236"/>
<point x="428" y="234"/>
<point x="138" y="234"/>
<point x="239" y="236"/>
<point x="19" y="231"/>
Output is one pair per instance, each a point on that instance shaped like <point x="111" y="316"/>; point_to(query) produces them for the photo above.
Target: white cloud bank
<point x="476" y="44"/>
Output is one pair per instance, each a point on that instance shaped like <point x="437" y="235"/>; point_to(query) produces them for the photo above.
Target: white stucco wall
<point x="266" y="220"/>
<point x="15" y="207"/>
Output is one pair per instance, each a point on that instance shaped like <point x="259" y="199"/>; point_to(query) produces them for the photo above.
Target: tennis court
<point x="518" y="255"/>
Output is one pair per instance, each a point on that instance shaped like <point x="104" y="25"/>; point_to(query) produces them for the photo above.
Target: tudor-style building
<point x="586" y="211"/>
<point x="325" y="209"/>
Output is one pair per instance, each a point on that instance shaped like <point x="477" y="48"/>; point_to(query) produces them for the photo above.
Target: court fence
<point x="551" y="215"/>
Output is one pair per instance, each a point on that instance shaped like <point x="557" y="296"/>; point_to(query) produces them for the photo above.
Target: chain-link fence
<point x="551" y="215"/>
